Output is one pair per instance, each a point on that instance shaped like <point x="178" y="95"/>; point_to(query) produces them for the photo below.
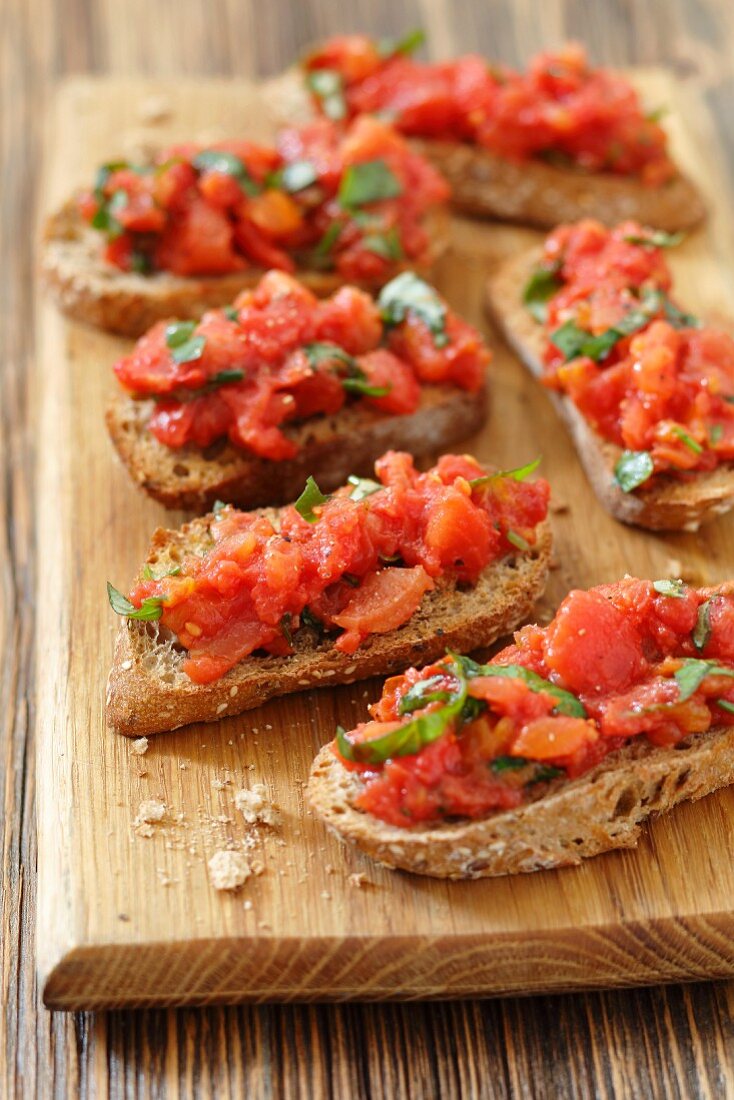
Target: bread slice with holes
<point x="529" y="192"/>
<point x="330" y="448"/>
<point x="148" y="691"/>
<point x="570" y="820"/>
<point x="672" y="503"/>
<point x="89" y="289"/>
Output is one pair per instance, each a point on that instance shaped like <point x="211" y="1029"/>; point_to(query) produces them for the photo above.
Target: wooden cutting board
<point x="126" y="919"/>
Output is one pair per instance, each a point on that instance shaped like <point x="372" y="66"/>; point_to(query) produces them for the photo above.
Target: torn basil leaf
<point x="310" y="498"/>
<point x="297" y="176"/>
<point x="655" y="238"/>
<point x="507" y="763"/>
<point x="149" y="575"/>
<point x="387" y="245"/>
<point x="632" y="469"/>
<point x="566" y="702"/>
<point x="183" y="345"/>
<point x="214" y="160"/>
<point x="702" y="630"/>
<point x="231" y="313"/>
<point x="328" y="87"/>
<point x="676" y="589"/>
<point x="725" y="705"/>
<point x="520" y="473"/>
<point x="690" y="442"/>
<point x="362" y="487"/>
<point x="423" y="693"/>
<point x="517" y="540"/>
<point x="540" y="288"/>
<point x="368" y="181"/>
<point x="408" y="44"/>
<point x="408" y="293"/>
<point x="693" y="672"/>
<point x="150" y="609"/>
<point x="285" y="628"/>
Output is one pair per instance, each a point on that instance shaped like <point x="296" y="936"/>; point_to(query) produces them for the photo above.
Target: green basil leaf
<point x="408" y="44"/>
<point x="310" y="498"/>
<point x="321" y="254"/>
<point x="508" y="763"/>
<point x="717" y="431"/>
<point x="655" y="300"/>
<point x="215" y="160"/>
<point x="517" y="540"/>
<point x="105" y="219"/>
<point x="191" y="350"/>
<point x="285" y="627"/>
<point x="363" y="388"/>
<point x="520" y="473"/>
<point x="725" y="705"/>
<point x="692" y="674"/>
<point x="632" y="469"/>
<point x="322" y="352"/>
<point x="308" y="619"/>
<point x="540" y="288"/>
<point x="423" y="693"/>
<point x="573" y="341"/>
<point x="544" y="773"/>
<point x="149" y="575"/>
<point x="656" y="114"/>
<point x="328" y="87"/>
<point x="103" y="174"/>
<point x="702" y="630"/>
<point x="298" y="175"/>
<point x="218" y="507"/>
<point x="140" y="262"/>
<point x="676" y="589"/>
<point x="566" y="703"/>
<point x="362" y="487"/>
<point x="231" y="313"/>
<point x="150" y="609"/>
<point x="407" y="293"/>
<point x="690" y="442"/>
<point x="386" y="245"/>
<point x="368" y="181"/>
<point x="179" y="332"/>
<point x="225" y="377"/>
<point x="655" y="238"/>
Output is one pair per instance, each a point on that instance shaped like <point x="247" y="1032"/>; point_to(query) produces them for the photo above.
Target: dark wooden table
<point x="671" y="1042"/>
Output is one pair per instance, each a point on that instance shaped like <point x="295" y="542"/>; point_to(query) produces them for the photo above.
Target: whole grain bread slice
<point x="148" y="691"/>
<point x="89" y="289"/>
<point x="672" y="503"/>
<point x="567" y="821"/>
<point x="530" y="192"/>
<point x="330" y="449"/>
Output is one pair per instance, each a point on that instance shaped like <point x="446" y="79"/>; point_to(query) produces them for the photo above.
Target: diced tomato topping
<point x="362" y="567"/>
<point x="620" y="661"/>
<point x="561" y="107"/>
<point x="278" y="356"/>
<point x="222" y="208"/>
<point x="666" y="388"/>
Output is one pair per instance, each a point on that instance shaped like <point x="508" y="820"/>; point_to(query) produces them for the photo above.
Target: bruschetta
<point x="645" y="389"/>
<point x="560" y="141"/>
<point x="192" y="229"/>
<point x="238" y="607"/>
<point x="244" y="405"/>
<point x="555" y="750"/>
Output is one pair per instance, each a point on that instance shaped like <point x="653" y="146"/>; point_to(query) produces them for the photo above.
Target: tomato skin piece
<point x="383" y="602"/>
<point x="198" y="241"/>
<point x="385" y="371"/>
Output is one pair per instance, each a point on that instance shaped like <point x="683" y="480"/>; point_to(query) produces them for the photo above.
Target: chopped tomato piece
<point x="383" y="602"/>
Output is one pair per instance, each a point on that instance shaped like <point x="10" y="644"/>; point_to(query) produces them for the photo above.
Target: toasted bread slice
<point x="330" y="448"/>
<point x="148" y="692"/>
<point x="545" y="195"/>
<point x="530" y="192"/>
<point x="571" y="820"/>
<point x="673" y="503"/>
<point x="89" y="289"/>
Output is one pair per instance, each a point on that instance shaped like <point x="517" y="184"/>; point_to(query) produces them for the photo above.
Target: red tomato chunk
<point x="633" y="659"/>
<point x="280" y="355"/>
<point x="562" y="109"/>
<point x="349" y="200"/>
<point x="665" y="388"/>
<point x="359" y="566"/>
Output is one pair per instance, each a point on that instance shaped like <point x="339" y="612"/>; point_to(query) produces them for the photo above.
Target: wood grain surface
<point x="662" y="1042"/>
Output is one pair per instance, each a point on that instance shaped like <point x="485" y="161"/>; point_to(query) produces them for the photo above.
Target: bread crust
<point x="569" y="820"/>
<point x="544" y="195"/>
<point x="674" y="503"/>
<point x="147" y="692"/>
<point x="88" y="289"/>
<point x="330" y="449"/>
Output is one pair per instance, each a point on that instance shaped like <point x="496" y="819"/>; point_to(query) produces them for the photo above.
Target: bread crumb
<point x="358" y="879"/>
<point x="154" y="109"/>
<point x="326" y="895"/>
<point x="144" y="830"/>
<point x="247" y="904"/>
<point x="126" y="666"/>
<point x="149" y="811"/>
<point x="184" y="765"/>
<point x="255" y="806"/>
<point x="228" y="870"/>
<point x="258" y="867"/>
<point x="329" y="868"/>
<point x="139" y="746"/>
<point x="219" y="784"/>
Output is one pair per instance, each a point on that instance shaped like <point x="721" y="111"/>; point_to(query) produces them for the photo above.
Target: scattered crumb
<point x="149" y="811"/>
<point x="247" y="904"/>
<point x="144" y="829"/>
<point x="258" y="867"/>
<point x="184" y="765"/>
<point x="139" y="746"/>
<point x="228" y="870"/>
<point x="558" y="507"/>
<point x="673" y="567"/>
<point x="264" y="924"/>
<point x="329" y="868"/>
<point x="255" y="806"/>
<point x="155" y="109"/>
<point x="219" y="784"/>
<point x="268" y="726"/>
<point x="357" y="879"/>
<point x="326" y="895"/>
